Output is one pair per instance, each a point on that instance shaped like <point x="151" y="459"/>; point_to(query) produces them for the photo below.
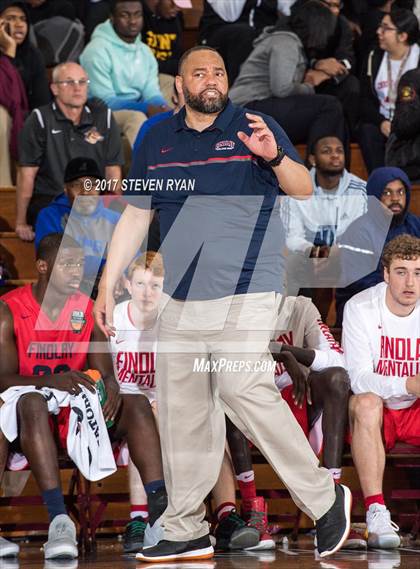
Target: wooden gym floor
<point x="287" y="556"/>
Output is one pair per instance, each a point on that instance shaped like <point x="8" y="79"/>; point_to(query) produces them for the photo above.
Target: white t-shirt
<point x="134" y="354"/>
<point x="386" y="107"/>
<point x="381" y="349"/>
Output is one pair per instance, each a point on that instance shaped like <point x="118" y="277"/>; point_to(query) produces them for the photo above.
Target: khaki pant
<point x="192" y="405"/>
<point x="5" y="166"/>
<point x="129" y="123"/>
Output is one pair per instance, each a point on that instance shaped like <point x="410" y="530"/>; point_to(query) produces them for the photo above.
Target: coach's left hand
<point x="261" y="142"/>
<point x="113" y="400"/>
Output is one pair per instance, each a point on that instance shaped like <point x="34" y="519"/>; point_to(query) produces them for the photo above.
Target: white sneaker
<point x="382" y="532"/>
<point x="61" y="539"/>
<point x="8" y="548"/>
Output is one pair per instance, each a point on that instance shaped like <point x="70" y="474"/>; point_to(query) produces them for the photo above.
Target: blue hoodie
<point x="124" y="75"/>
<point x="367" y="232"/>
<point x="93" y="231"/>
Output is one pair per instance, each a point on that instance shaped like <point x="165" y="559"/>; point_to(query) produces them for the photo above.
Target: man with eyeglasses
<point x="368" y="234"/>
<point x="53" y="134"/>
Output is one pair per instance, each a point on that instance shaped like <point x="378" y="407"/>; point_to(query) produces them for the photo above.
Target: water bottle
<point x="100" y="386"/>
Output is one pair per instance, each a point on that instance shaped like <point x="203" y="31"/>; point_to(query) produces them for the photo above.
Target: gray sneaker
<point x="8" y="548"/>
<point x="382" y="531"/>
<point x="61" y="539"/>
<point x="153" y="534"/>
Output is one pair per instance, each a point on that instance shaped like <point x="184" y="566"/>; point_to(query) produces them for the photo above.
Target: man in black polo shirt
<point x="55" y="134"/>
<point x="215" y="172"/>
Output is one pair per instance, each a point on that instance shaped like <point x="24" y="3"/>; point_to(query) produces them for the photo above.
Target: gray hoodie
<point x="275" y="68"/>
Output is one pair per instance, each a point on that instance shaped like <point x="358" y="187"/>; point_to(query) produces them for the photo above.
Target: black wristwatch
<point x="277" y="159"/>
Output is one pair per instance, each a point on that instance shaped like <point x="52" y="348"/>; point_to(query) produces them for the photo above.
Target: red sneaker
<point x="254" y="512"/>
<point x="355" y="540"/>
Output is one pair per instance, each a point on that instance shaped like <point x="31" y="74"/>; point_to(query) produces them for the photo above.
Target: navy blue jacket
<point x="367" y="233"/>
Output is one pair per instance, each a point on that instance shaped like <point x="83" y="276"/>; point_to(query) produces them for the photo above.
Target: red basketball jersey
<point x="45" y="346"/>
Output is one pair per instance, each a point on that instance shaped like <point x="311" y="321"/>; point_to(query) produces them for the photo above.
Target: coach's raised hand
<point x="261" y="142"/>
<point x="292" y="176"/>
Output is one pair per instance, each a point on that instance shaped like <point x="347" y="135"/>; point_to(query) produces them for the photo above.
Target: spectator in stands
<point x="19" y="61"/>
<point x="332" y="65"/>
<point x="231" y="28"/>
<point x="381" y="346"/>
<point x="312" y="226"/>
<point x="92" y="13"/>
<point x="122" y="69"/>
<point x="53" y="134"/>
<point x="362" y="243"/>
<point x="162" y="31"/>
<point x="403" y="144"/>
<point x="398" y="52"/>
<point x="45" y="9"/>
<point x="371" y="13"/>
<point x="55" y="298"/>
<point x="279" y="85"/>
<point x="86" y="219"/>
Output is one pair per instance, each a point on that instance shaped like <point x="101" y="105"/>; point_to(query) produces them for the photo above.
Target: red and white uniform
<point x="47" y="347"/>
<point x="134" y="354"/>
<point x="299" y="324"/>
<point x="381" y="351"/>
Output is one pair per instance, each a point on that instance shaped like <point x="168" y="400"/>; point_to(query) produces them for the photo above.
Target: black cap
<point x="81" y="167"/>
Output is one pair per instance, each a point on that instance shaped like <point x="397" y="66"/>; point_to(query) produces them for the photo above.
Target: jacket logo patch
<point x="407" y="94"/>
<point x="77" y="321"/>
<point x="225" y="145"/>
<point x="93" y="135"/>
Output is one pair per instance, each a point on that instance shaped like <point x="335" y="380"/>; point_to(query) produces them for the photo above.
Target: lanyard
<point x="393" y="86"/>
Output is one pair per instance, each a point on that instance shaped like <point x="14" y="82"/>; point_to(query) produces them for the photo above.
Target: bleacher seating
<point x="20" y="256"/>
<point x="101" y="505"/>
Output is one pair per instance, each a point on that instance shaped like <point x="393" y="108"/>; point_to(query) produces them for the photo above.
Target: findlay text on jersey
<point x="399" y="356"/>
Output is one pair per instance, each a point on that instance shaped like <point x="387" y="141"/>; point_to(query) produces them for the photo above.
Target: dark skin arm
<point x="9" y="365"/>
<point x="102" y="361"/>
<point x="291" y="357"/>
<point x="304" y="356"/>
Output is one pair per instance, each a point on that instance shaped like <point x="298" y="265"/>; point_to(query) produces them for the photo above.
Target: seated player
<point x="53" y="356"/>
<point x="301" y="338"/>
<point x="134" y="353"/>
<point x="381" y="340"/>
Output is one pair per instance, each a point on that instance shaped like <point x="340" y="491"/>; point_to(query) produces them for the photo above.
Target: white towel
<point x="88" y="443"/>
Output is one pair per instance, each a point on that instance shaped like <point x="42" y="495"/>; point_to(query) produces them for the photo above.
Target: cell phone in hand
<point x="7" y="28"/>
